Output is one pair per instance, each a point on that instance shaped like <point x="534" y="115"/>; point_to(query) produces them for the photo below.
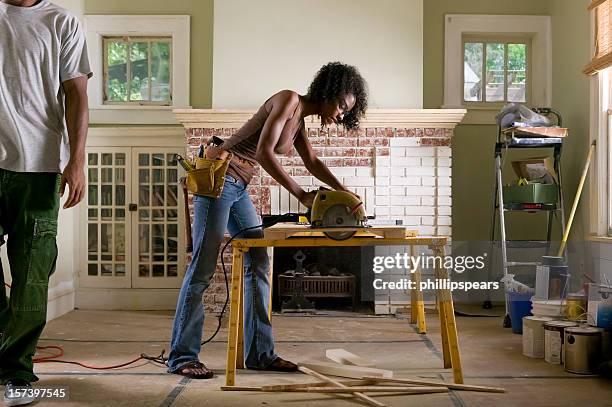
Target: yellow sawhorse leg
<point x="240" y="344"/>
<point x="417" y="306"/>
<point x="450" y="343"/>
<point x="235" y="306"/>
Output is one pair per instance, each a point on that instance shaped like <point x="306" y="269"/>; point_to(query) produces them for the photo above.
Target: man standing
<point x="43" y="126"/>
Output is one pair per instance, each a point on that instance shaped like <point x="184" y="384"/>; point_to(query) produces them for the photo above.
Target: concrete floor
<point x="491" y="356"/>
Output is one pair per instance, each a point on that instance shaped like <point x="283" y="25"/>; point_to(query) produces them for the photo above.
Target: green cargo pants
<point x="29" y="204"/>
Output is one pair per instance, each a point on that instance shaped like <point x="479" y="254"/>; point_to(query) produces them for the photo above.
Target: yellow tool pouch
<point x="208" y="177"/>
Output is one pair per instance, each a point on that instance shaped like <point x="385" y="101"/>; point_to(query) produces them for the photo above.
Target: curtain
<point x="603" y="36"/>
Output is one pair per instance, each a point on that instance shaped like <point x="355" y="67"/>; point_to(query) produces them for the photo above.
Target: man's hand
<point x="74" y="176"/>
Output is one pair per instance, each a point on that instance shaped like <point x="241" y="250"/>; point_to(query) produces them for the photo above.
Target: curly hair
<point x="335" y="79"/>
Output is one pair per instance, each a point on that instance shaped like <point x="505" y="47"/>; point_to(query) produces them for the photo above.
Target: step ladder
<point x="504" y="143"/>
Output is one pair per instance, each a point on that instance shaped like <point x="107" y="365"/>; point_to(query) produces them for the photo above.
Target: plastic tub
<point x="519" y="307"/>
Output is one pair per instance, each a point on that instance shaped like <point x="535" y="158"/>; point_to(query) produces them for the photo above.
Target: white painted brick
<point x="381" y="181"/>
<point x="359" y="181"/>
<point x="369" y="199"/>
<point x="444" y="171"/>
<point x="397" y="191"/>
<point x="444" y="181"/>
<point x="444" y="221"/>
<point x="381" y="210"/>
<point x="411" y="201"/>
<point x="419" y="171"/>
<point x="382" y="200"/>
<point x="381" y="161"/>
<point x="427" y="230"/>
<point x="444" y="210"/>
<point x="343" y="171"/>
<point x="410" y="220"/>
<point x="303" y="180"/>
<point x="420" y="151"/>
<point x="284" y="200"/>
<point x="428" y="181"/>
<point x="381" y="191"/>
<point x="317" y="182"/>
<point x="444" y="151"/>
<point x="420" y="191"/>
<point x="444" y="162"/>
<point x="420" y="210"/>
<point x="428" y="161"/>
<point x="398" y="171"/>
<point x="428" y="201"/>
<point x="404" y="142"/>
<point x="275" y="200"/>
<point x="399" y="201"/>
<point x="397" y="152"/>
<point x="364" y="172"/>
<point x="445" y="200"/>
<point x="444" y="191"/>
<point x="428" y="220"/>
<point x="405" y="161"/>
<point x="382" y="171"/>
<point x="294" y="204"/>
<point x="444" y="231"/>
<point x="396" y="210"/>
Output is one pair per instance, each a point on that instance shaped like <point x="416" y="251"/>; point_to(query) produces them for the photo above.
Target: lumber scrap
<point x="436" y="383"/>
<point x="345" y="357"/>
<point x="354" y="372"/>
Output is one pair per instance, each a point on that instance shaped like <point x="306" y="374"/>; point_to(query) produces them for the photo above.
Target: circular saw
<point x="337" y="209"/>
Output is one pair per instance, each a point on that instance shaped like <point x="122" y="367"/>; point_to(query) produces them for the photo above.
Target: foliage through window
<point x="495" y="71"/>
<point x="137" y="70"/>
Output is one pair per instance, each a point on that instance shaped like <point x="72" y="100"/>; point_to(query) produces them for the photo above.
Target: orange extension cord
<point x="54" y="357"/>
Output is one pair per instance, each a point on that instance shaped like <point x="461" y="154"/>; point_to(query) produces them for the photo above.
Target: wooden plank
<point x="285" y="230"/>
<point x="336" y="383"/>
<point x="279" y="387"/>
<point x="235" y="304"/>
<point x="370" y="389"/>
<point x="345" y="357"/>
<point x="453" y="386"/>
<point x="240" y="388"/>
<point x="355" y="372"/>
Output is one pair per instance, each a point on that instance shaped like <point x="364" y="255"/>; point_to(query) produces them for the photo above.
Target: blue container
<point x="519" y="307"/>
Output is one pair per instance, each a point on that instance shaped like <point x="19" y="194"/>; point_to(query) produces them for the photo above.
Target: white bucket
<point x="553" y="340"/>
<point x="533" y="336"/>
<point x="548" y="308"/>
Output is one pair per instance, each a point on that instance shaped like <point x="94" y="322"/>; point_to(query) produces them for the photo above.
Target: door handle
<point x="132" y="207"/>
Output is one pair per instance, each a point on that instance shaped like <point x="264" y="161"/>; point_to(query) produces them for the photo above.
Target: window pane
<point x="139" y="58"/>
<point x="495" y="73"/>
<point x="92" y="159"/>
<point x="116" y="62"/>
<point x="472" y="72"/>
<point x="160" y="71"/>
<point x="517" y="72"/>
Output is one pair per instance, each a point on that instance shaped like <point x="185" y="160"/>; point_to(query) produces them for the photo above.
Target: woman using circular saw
<point x="338" y="94"/>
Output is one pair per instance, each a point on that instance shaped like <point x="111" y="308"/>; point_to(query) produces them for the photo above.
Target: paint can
<point x="582" y="349"/>
<point x="533" y="336"/>
<point x="576" y="307"/>
<point x="553" y="340"/>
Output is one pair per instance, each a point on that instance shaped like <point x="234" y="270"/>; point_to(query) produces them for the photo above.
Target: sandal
<point x="281" y="365"/>
<point x="195" y="370"/>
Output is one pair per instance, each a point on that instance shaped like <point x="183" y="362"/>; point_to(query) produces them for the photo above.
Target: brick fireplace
<point x="399" y="162"/>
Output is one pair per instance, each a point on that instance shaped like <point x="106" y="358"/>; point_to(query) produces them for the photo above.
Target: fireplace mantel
<point x="401" y="118"/>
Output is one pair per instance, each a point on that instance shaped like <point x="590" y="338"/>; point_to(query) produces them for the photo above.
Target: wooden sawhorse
<point x="450" y="346"/>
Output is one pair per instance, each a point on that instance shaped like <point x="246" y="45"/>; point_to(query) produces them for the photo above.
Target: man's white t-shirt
<point x="40" y="47"/>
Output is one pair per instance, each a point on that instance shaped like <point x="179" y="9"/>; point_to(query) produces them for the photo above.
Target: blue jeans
<point x="234" y="210"/>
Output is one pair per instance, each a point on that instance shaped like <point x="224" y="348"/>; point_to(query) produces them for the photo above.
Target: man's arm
<point x="315" y="166"/>
<point x="77" y="121"/>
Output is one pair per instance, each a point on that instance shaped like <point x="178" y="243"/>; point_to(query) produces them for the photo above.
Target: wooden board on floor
<point x="354" y="372"/>
<point x="282" y="231"/>
<point x="345" y="357"/>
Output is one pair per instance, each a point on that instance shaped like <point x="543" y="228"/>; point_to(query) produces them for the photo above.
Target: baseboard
<point x="60" y="300"/>
<point x="132" y="299"/>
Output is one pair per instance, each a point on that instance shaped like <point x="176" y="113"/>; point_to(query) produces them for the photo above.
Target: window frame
<point x="497" y="39"/>
<point x="175" y="26"/>
<point x="539" y="28"/>
<point x="131" y="39"/>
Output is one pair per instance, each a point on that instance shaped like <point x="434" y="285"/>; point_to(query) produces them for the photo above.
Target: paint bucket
<point x="582" y="349"/>
<point x="576" y="307"/>
<point x="554" y="309"/>
<point x="600" y="306"/>
<point x="519" y="307"/>
<point x="533" y="336"/>
<point x="553" y="340"/>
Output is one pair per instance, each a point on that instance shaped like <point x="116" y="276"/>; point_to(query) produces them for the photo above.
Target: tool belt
<point x="208" y="177"/>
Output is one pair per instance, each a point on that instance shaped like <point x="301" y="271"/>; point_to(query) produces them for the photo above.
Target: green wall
<point x="202" y="16"/>
<point x="473" y="163"/>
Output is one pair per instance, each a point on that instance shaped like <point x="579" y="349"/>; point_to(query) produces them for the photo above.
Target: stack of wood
<point x="369" y="380"/>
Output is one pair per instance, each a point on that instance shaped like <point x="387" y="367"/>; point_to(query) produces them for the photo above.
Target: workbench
<point x="450" y="347"/>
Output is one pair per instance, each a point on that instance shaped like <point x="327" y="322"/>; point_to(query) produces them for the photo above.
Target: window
<point x="141" y="68"/>
<point x="510" y="54"/>
<point x="504" y="66"/>
<point x="137" y="70"/>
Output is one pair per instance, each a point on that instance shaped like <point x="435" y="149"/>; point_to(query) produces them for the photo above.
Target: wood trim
<point x="408" y="118"/>
<point x="595" y="3"/>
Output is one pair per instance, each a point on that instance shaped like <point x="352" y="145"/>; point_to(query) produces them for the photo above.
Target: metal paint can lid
<point x="583" y="330"/>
